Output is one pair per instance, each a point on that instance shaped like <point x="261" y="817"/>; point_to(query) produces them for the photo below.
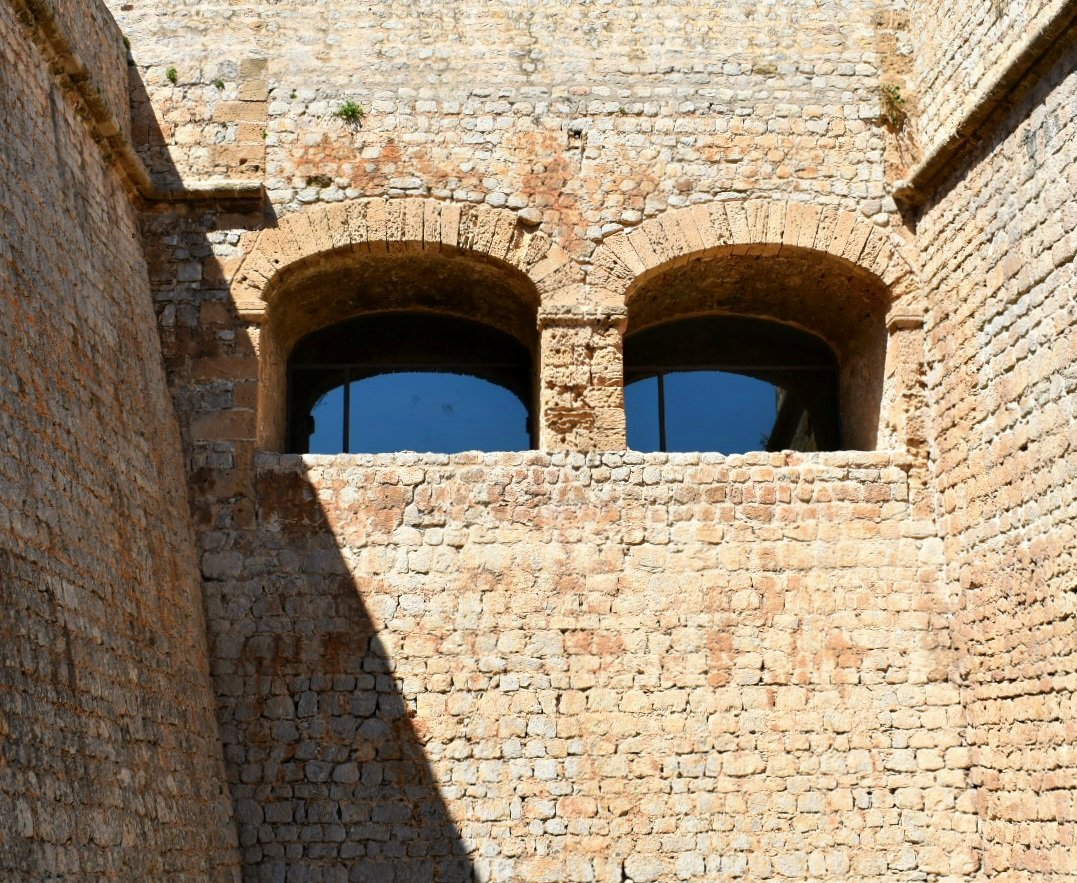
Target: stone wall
<point x="333" y="780"/>
<point x="584" y="117"/>
<point x="999" y="247"/>
<point x="615" y="667"/>
<point x="110" y="764"/>
<point x="93" y="49"/>
<point x="959" y="46"/>
<point x="544" y="666"/>
<point x="537" y="666"/>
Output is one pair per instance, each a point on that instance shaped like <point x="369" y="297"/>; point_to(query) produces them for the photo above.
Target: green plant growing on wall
<point x="893" y="106"/>
<point x="219" y="83"/>
<point x="172" y="75"/>
<point x="350" y="112"/>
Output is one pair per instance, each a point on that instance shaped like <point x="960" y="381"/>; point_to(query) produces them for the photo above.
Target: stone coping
<point x="267" y="461"/>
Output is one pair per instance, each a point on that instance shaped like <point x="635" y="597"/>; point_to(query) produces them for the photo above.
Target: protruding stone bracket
<point x="226" y="190"/>
<point x="904" y="322"/>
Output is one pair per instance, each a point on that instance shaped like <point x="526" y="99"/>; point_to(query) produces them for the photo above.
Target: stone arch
<point x="328" y="263"/>
<point x="402" y="226"/>
<point x="758" y="227"/>
<point x="648" y="273"/>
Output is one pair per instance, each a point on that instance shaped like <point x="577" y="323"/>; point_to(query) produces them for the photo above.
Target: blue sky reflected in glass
<point x="705" y="411"/>
<point x="328" y="416"/>
<point x="641" y="414"/>
<point x="422" y="411"/>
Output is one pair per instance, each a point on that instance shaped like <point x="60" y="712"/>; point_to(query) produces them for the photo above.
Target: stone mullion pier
<point x="905" y="414"/>
<point x="581" y="380"/>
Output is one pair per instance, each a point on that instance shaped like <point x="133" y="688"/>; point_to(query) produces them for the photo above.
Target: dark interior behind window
<point x="730" y="384"/>
<point x="409" y="381"/>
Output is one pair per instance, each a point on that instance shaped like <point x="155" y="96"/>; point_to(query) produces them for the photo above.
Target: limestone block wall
<point x="110" y="763"/>
<point x="335" y="778"/>
<point x="583" y="117"/>
<point x="537" y="667"/>
<point x="93" y="49"/>
<point x="381" y="717"/>
<point x="998" y="246"/>
<point x="959" y="45"/>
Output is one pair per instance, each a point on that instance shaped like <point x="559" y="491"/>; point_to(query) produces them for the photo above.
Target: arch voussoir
<point x="393" y="226"/>
<point x="743" y="227"/>
<point x="801" y="224"/>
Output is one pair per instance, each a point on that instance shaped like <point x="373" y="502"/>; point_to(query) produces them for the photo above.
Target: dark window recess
<point x="409" y="382"/>
<point x="730" y="385"/>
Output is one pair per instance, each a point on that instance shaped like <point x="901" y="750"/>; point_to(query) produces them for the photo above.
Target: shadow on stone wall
<point x="1038" y="143"/>
<point x="329" y="777"/>
<point x="329" y="772"/>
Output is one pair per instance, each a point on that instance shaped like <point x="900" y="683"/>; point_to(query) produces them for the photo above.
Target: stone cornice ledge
<point x="210" y="190"/>
<point x="826" y="465"/>
<point x="582" y="315"/>
<point x="71" y="74"/>
<point x="1057" y="20"/>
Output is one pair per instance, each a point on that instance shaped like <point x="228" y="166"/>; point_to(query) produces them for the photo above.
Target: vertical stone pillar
<point x="581" y="381"/>
<point x="905" y="405"/>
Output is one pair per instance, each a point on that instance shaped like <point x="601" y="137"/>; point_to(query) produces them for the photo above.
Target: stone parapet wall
<point x="110" y="763"/>
<point x="999" y="248"/>
<point x="609" y="667"/>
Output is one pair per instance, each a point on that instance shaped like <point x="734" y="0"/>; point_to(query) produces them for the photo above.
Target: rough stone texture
<point x="959" y="45"/>
<point x="95" y="50"/>
<point x="999" y="269"/>
<point x="587" y="116"/>
<point x="581" y="385"/>
<point x="534" y="666"/>
<point x="559" y="667"/>
<point x="110" y="764"/>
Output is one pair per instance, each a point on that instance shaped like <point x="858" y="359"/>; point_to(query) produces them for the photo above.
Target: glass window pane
<point x="434" y="412"/>
<point x="641" y="414"/>
<point x="736" y="384"/>
<point x="718" y="411"/>
<point x="327" y="417"/>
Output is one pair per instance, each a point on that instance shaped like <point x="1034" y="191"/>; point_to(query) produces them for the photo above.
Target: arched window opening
<point x="809" y="325"/>
<point x="731" y="385"/>
<point x="409" y="381"/>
